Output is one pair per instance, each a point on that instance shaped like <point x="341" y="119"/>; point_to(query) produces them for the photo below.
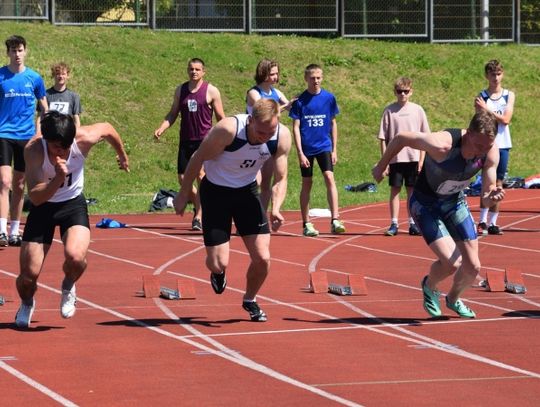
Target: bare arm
<point x="490" y="192"/>
<point x="43" y="107"/>
<point x="279" y="188"/>
<point x="216" y="102"/>
<point x="504" y="118"/>
<point x="334" y="141"/>
<point x="251" y="97"/>
<point x="221" y="135"/>
<point x="88" y="136"/>
<point x="170" y="118"/>
<point x="436" y="145"/>
<point x="304" y="162"/>
<point x="40" y="190"/>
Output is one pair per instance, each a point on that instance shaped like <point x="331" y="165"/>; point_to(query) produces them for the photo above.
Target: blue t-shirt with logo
<point x="18" y="94"/>
<point x="315" y="113"/>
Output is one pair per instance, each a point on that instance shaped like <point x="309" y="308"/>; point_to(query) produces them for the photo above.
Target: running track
<point x="121" y="349"/>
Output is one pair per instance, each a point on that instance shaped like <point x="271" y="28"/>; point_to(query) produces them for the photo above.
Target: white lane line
<point x="36" y="385"/>
<point x="222" y="350"/>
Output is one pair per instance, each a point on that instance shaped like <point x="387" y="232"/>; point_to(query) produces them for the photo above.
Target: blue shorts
<point x="504" y="155"/>
<point x="438" y="218"/>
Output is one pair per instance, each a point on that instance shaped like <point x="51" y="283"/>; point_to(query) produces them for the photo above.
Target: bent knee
<point x="471" y="268"/>
<point x="75" y="259"/>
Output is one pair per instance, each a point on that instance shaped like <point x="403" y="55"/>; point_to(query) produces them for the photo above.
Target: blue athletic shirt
<point x="18" y="94"/>
<point x="315" y="113"/>
<point x="272" y="95"/>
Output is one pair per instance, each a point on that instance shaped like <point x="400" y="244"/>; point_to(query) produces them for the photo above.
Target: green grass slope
<point x="127" y="77"/>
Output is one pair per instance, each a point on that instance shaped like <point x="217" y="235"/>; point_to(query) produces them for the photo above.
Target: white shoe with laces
<point x="68" y="302"/>
<point x="24" y="315"/>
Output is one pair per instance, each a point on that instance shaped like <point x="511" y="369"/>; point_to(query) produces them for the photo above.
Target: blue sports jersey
<point x="315" y="113"/>
<point x="18" y="94"/>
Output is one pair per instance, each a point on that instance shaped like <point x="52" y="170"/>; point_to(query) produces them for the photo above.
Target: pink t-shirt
<point x="396" y="118"/>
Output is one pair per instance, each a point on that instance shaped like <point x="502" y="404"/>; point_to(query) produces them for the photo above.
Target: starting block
<point x="495" y="281"/>
<point x="184" y="290"/>
<point x="7" y="288"/>
<point x="319" y="284"/>
<point x="514" y="281"/>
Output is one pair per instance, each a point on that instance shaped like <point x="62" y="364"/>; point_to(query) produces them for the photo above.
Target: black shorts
<point x="43" y="219"/>
<point x="323" y="159"/>
<point x="185" y="151"/>
<point x="401" y="173"/>
<point x="221" y="205"/>
<point x="12" y="150"/>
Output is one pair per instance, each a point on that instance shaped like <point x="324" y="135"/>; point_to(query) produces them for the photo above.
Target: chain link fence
<point x="431" y="20"/>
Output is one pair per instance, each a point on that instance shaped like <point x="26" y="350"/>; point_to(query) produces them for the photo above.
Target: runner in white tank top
<point x="55" y="178"/>
<point x="232" y="153"/>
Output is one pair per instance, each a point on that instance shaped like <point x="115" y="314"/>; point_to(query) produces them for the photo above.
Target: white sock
<point x="14" y="227"/>
<point x="483" y="215"/>
<point x="394" y="220"/>
<point x="493" y="218"/>
<point x="3" y="225"/>
<point x="411" y="221"/>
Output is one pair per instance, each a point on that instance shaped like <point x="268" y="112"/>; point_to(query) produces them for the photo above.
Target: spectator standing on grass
<point x="233" y="153"/>
<point x="402" y="115"/>
<point x="55" y="178"/>
<point x="195" y="100"/>
<point x="438" y="204"/>
<point x="315" y="136"/>
<point x="59" y="97"/>
<point x="20" y="87"/>
<point x="500" y="102"/>
<point x="266" y="76"/>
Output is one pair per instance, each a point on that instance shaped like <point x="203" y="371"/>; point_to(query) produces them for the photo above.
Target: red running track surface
<point x="316" y="349"/>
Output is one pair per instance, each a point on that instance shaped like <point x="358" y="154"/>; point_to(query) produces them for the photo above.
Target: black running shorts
<point x="221" y="205"/>
<point x="43" y="219"/>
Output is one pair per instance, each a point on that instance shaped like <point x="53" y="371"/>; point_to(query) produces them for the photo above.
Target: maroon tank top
<point x="195" y="114"/>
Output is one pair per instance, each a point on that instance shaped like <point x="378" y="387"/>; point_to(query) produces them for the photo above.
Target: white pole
<point x="485" y="20"/>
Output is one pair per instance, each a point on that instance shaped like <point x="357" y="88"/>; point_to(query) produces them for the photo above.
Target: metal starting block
<point x="319" y="284"/>
<point x="514" y="281"/>
<point x="185" y="290"/>
<point x="7" y="287"/>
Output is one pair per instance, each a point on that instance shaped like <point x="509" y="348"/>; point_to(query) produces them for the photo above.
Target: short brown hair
<point x="14" y="41"/>
<point x="493" y="66"/>
<point x="311" y="67"/>
<point x="484" y="122"/>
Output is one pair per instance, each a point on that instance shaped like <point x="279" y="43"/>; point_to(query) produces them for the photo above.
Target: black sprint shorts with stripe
<point x="43" y="219"/>
<point x="221" y="205"/>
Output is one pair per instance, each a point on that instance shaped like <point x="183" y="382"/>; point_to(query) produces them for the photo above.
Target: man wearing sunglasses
<point x="404" y="168"/>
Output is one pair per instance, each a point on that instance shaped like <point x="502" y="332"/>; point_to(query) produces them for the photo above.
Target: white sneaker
<point x="24" y="315"/>
<point x="68" y="302"/>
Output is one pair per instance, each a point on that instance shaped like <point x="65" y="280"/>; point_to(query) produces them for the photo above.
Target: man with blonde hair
<point x="233" y="153"/>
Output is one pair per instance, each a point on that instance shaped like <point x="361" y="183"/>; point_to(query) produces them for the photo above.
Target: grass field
<point x="127" y="77"/>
